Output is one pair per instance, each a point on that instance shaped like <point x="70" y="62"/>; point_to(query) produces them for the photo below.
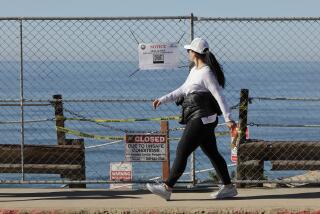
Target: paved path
<point x="258" y="200"/>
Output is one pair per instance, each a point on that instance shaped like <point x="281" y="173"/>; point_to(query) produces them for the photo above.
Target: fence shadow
<point x="71" y="195"/>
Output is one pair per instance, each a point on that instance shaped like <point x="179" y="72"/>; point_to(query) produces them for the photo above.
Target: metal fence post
<point x="193" y="158"/>
<point x="21" y="102"/>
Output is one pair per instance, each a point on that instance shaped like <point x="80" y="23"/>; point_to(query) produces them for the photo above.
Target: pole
<point x="243" y="119"/>
<point x="164" y="129"/>
<point x="58" y="111"/>
<point x="243" y="114"/>
<point x="21" y="103"/>
<point x="193" y="158"/>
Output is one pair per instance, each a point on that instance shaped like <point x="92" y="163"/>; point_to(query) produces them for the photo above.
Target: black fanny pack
<point x="197" y="105"/>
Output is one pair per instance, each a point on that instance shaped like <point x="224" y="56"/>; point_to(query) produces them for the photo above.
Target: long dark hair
<point x="209" y="59"/>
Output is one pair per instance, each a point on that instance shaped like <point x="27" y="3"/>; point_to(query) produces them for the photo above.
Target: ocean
<point x="88" y="80"/>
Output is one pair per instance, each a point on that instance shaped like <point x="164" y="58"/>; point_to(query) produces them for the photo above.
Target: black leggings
<point x="198" y="134"/>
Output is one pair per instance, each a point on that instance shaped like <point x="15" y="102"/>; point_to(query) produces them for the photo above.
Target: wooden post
<point x="164" y="129"/>
<point x="78" y="175"/>
<point x="243" y="116"/>
<point x="58" y="112"/>
<point x="61" y="138"/>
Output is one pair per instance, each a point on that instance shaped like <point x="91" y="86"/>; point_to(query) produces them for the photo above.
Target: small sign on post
<point x="121" y="171"/>
<point x="158" y="56"/>
<point x="146" y="147"/>
<point x="235" y="140"/>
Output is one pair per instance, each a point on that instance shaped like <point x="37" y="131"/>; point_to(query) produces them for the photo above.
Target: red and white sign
<point x="234" y="133"/>
<point x="121" y="175"/>
<point x="146" y="147"/>
<point x="121" y="171"/>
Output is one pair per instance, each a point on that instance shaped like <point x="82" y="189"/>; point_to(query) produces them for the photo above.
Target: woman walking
<point x="202" y="101"/>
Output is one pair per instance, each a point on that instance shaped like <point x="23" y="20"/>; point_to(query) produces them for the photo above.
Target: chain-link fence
<point x="64" y="78"/>
<point x="278" y="61"/>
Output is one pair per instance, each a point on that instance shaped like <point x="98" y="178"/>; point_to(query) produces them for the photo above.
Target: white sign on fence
<point x="158" y="56"/>
<point x="146" y="147"/>
<point x="121" y="171"/>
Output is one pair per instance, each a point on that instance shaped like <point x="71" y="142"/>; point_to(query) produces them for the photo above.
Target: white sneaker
<point x="225" y="192"/>
<point x="160" y="190"/>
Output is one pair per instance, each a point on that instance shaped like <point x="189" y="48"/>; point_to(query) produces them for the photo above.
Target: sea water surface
<point x="83" y="80"/>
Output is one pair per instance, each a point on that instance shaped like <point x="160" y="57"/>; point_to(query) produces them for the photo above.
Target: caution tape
<point x="119" y="120"/>
<point x="101" y="137"/>
<point x="86" y="135"/>
<point x="219" y="134"/>
<point x="107" y="125"/>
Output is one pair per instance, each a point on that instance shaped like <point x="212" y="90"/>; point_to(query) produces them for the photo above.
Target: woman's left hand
<point x="231" y="124"/>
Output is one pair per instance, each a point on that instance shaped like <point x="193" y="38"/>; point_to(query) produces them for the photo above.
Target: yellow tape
<point x="120" y="120"/>
<point x="93" y="136"/>
<point x="100" y="137"/>
<point x="219" y="134"/>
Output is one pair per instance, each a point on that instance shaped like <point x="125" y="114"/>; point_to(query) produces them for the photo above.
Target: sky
<point x="209" y="8"/>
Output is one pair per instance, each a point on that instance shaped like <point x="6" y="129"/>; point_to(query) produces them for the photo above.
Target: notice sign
<point x="121" y="171"/>
<point x="146" y="147"/>
<point x="158" y="56"/>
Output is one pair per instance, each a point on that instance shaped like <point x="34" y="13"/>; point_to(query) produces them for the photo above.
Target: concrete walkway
<point x="258" y="200"/>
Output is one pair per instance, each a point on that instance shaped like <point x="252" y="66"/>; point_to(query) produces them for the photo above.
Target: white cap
<point x="198" y="45"/>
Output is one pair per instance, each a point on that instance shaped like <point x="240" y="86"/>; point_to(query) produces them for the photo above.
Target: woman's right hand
<point x="156" y="103"/>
